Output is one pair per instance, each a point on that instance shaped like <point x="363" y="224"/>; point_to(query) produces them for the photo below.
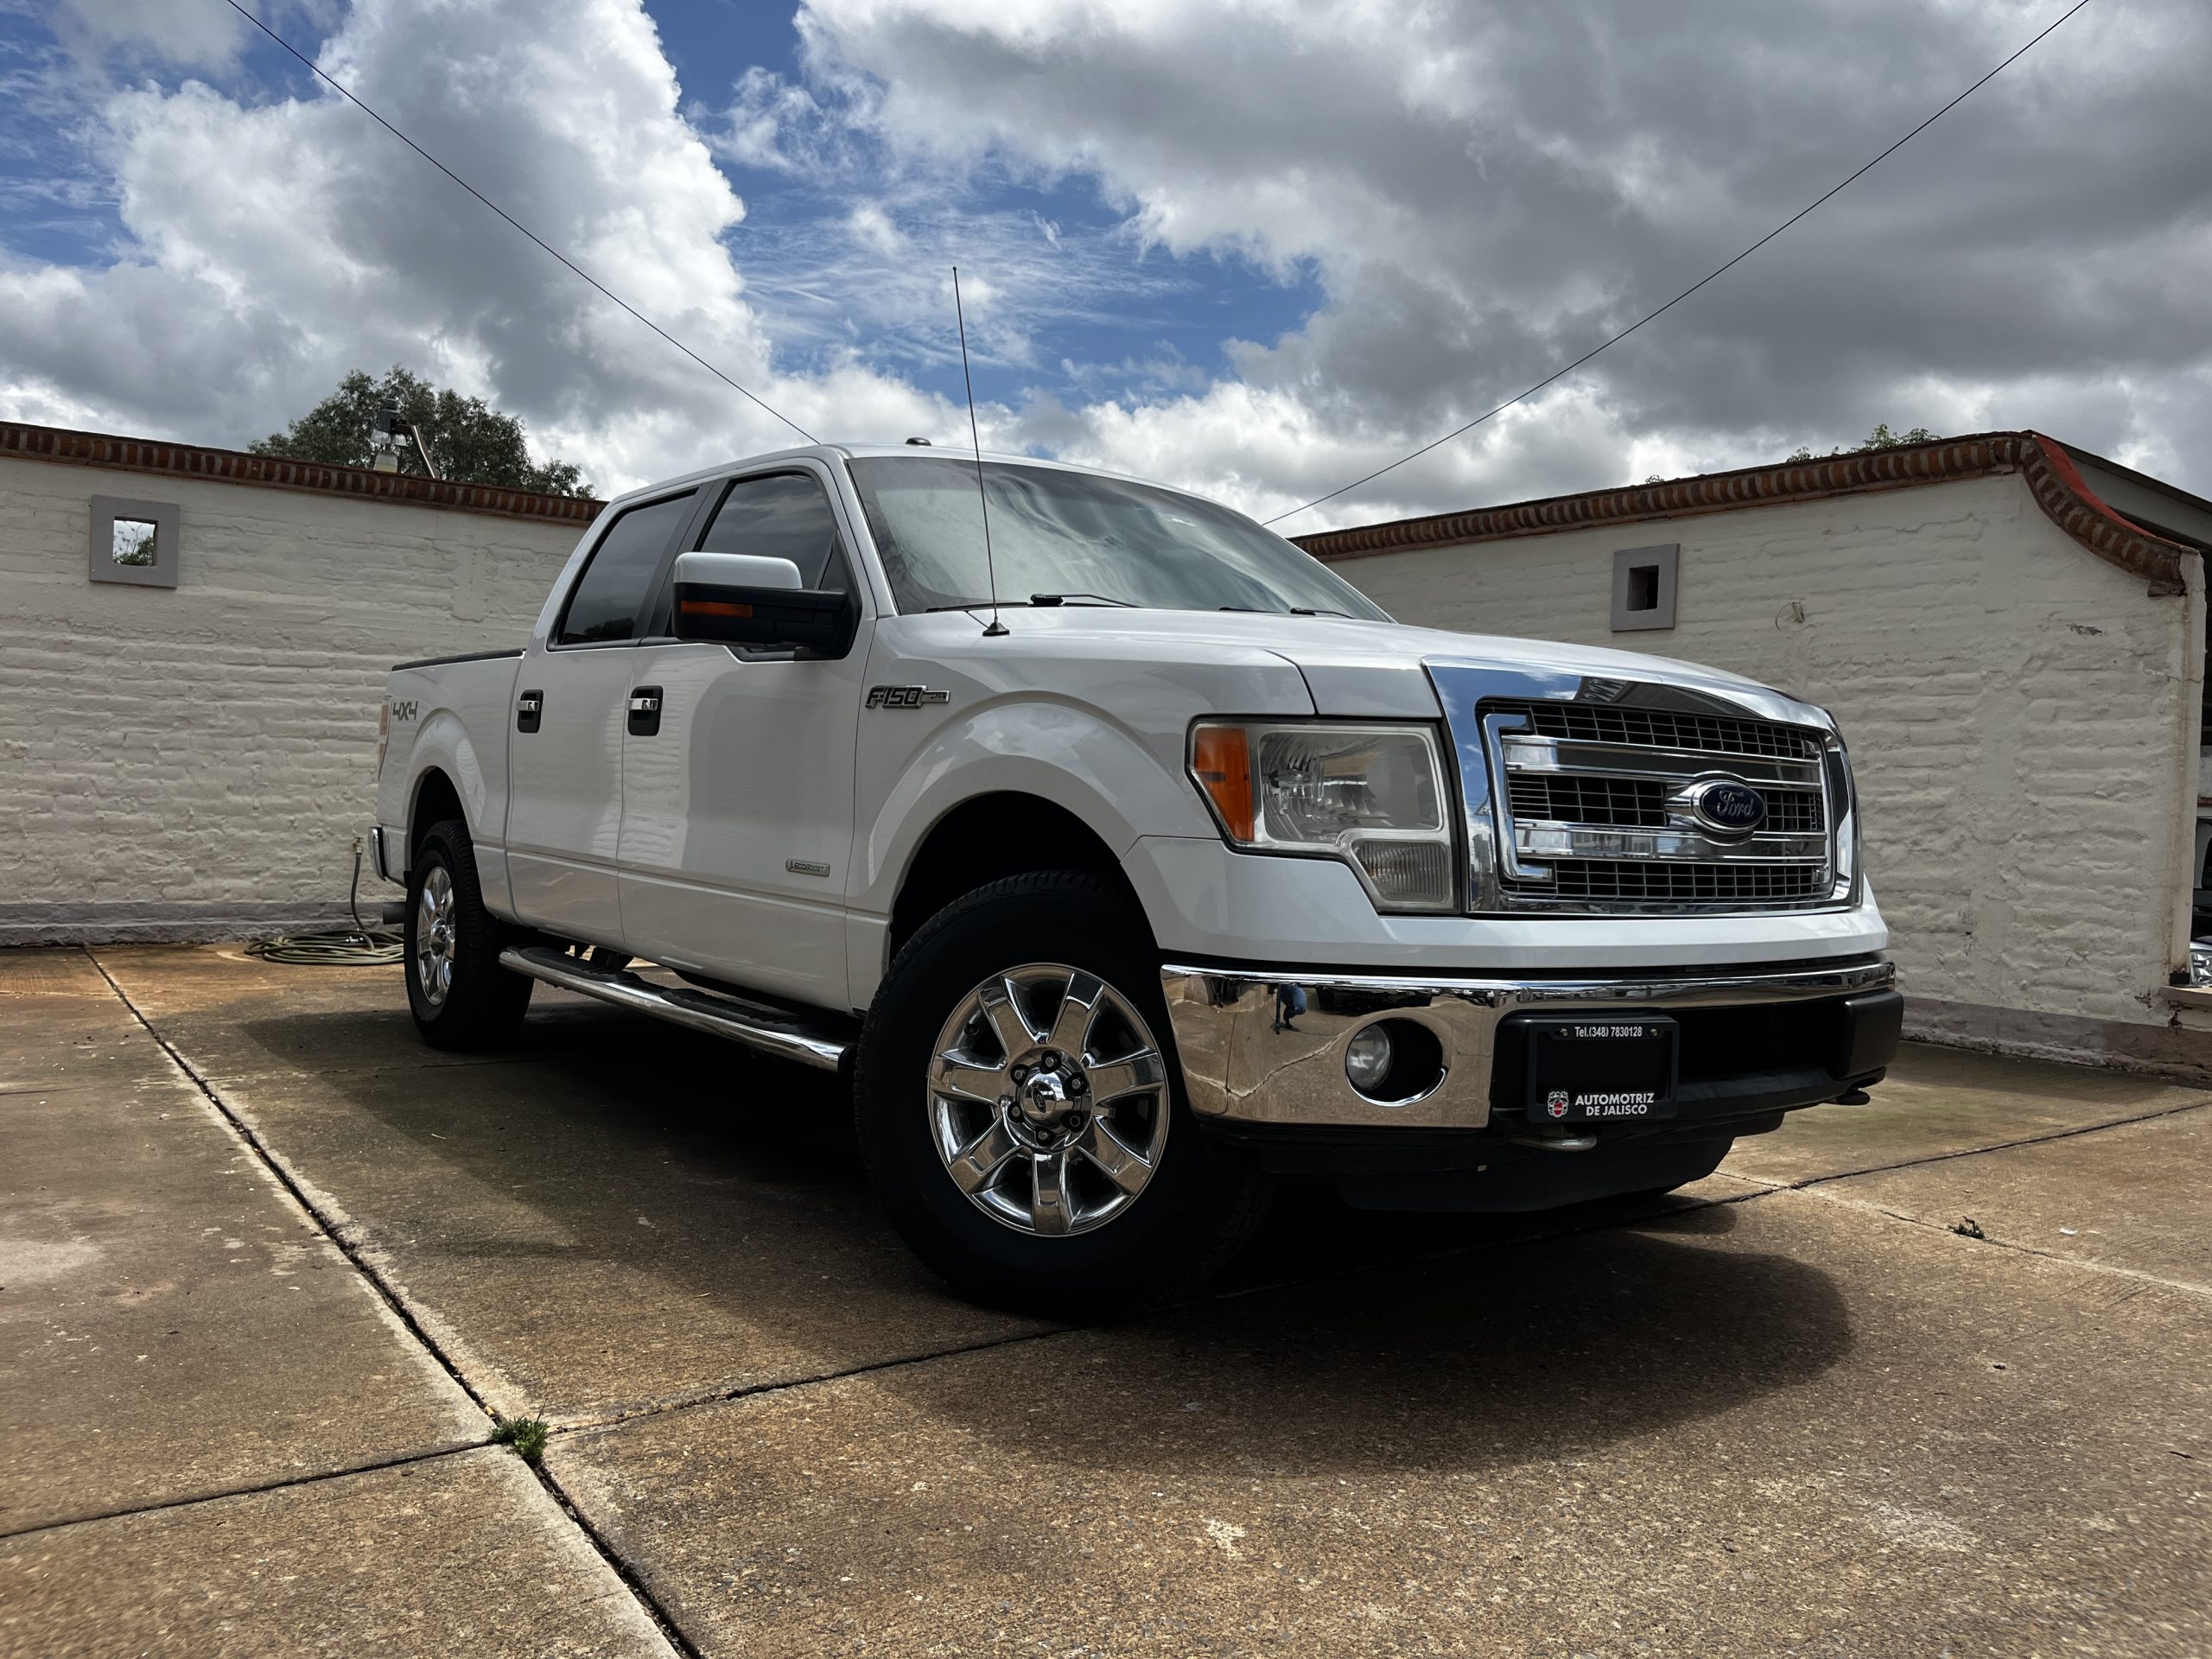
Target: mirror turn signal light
<point x="713" y="608"/>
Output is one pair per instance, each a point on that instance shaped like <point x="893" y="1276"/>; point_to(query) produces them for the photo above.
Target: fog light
<point x="1367" y="1059"/>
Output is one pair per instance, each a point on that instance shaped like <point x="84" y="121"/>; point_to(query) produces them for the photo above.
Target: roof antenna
<point x="997" y="627"/>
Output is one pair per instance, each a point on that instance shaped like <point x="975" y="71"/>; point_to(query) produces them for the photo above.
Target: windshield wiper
<point x="1096" y="599"/>
<point x="1044" y="601"/>
<point x="1295" y="610"/>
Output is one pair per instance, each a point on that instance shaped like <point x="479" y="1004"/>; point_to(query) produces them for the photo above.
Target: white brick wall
<point x="200" y="759"/>
<point x="2022" y="717"/>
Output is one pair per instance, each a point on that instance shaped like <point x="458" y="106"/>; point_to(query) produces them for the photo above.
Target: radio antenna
<point x="976" y="443"/>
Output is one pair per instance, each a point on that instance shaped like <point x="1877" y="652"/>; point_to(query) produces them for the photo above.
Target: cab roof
<point x="874" y="451"/>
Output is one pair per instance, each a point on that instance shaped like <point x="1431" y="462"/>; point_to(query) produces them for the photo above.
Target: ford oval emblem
<point x="1728" y="807"/>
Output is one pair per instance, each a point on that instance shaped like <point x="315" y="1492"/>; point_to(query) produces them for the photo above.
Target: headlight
<point x="1373" y="795"/>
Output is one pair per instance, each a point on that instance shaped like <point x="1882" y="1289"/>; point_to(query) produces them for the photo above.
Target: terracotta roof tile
<point x="26" y="441"/>
<point x="2049" y="473"/>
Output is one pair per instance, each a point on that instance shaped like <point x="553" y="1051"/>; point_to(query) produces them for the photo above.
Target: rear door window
<point x="611" y="595"/>
<point x="783" y="516"/>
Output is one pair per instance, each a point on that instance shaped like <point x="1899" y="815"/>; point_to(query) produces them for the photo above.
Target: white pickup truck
<point x="1179" y="868"/>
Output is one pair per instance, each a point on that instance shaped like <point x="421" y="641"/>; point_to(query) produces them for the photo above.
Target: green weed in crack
<point x="526" y="1434"/>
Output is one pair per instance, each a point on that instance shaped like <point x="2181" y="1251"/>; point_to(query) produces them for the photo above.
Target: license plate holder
<point x="1601" y="1068"/>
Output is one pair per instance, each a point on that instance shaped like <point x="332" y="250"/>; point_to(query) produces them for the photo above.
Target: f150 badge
<point x="903" y="697"/>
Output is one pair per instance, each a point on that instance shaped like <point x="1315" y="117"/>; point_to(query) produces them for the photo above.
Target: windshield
<point x="1081" y="539"/>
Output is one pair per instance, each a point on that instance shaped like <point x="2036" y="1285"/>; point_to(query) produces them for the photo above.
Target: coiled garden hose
<point x="365" y="947"/>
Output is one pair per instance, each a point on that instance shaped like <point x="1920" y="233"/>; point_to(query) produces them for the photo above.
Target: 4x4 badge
<point x="903" y="697"/>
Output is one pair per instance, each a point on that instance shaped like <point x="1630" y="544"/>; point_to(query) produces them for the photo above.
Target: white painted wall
<point x="194" y="762"/>
<point x="2021" y="715"/>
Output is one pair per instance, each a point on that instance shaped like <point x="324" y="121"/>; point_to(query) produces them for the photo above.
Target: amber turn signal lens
<point x="714" y="607"/>
<point x="1220" y="759"/>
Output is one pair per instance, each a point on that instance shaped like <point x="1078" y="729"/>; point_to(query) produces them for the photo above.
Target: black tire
<point x="1197" y="1204"/>
<point x="480" y="1003"/>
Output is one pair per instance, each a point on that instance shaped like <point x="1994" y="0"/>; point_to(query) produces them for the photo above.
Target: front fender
<point x="1105" y="774"/>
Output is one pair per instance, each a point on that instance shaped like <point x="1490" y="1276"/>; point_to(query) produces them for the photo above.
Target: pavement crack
<point x="1809" y="1181"/>
<point x="751" y="1391"/>
<point x="329" y="1225"/>
<point x="352" y="1250"/>
<point x="352" y="1243"/>
<point x="2016" y="1245"/>
<point x="1566" y="1228"/>
<point x="250" y="1488"/>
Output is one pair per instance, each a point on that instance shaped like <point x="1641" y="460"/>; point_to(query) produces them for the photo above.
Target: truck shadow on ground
<point x="1537" y="1351"/>
<point x="622" y="1186"/>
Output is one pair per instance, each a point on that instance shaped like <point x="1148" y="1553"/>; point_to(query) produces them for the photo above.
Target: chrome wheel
<point x="433" y="936"/>
<point x="1048" y="1100"/>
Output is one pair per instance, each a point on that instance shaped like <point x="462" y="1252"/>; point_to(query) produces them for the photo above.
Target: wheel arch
<point x="988" y="837"/>
<point x="436" y="797"/>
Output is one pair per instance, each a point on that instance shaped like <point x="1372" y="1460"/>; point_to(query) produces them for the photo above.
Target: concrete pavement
<point x="1793" y="1412"/>
<point x="178" y="1326"/>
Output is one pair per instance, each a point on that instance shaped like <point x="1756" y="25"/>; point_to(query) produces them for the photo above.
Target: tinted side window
<point x="615" y="585"/>
<point x="782" y="517"/>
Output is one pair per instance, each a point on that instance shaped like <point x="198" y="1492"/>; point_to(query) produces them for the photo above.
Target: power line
<point x="1561" y="374"/>
<point x="346" y="93"/>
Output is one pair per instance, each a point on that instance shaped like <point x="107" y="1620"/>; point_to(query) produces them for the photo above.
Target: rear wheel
<point x="1021" y="1111"/>
<point x="459" y="996"/>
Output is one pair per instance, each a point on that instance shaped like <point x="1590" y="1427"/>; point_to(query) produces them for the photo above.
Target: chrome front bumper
<point x="1243" y="1063"/>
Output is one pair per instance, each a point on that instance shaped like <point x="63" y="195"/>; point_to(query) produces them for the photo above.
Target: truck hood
<point x="1380" y="669"/>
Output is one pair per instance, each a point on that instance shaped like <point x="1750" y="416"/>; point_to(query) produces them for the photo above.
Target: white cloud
<point x="1485" y="193"/>
<point x="189" y="36"/>
<point x="279" y="245"/>
<point x="1479" y="193"/>
<point x="873" y="228"/>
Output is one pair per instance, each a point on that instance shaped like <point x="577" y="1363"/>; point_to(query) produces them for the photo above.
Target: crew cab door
<point x="737" y="784"/>
<point x="565" y="732"/>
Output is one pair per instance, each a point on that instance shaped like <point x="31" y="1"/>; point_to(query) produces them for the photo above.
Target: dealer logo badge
<point x="1556" y="1102"/>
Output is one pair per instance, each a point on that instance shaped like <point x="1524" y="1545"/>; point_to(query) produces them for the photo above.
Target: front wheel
<point x="1021" y="1112"/>
<point x="459" y="996"/>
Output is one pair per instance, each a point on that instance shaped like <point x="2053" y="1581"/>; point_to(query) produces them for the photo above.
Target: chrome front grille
<point x="1687" y="883"/>
<point x="1624" y="802"/>
<point x="1602" y="808"/>
<point x="1664" y="728"/>
<point x="1796" y="812"/>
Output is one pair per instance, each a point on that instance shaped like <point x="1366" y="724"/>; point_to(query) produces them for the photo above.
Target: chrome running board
<point x="785" y="1036"/>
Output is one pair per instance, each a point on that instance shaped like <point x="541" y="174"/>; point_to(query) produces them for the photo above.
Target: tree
<point x="1880" y="438"/>
<point x="469" y="442"/>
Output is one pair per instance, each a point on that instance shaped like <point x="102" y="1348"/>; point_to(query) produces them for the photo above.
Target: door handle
<point x="529" y="709"/>
<point x="644" y="711"/>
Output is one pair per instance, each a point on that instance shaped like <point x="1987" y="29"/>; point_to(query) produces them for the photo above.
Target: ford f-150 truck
<point x="1126" y="860"/>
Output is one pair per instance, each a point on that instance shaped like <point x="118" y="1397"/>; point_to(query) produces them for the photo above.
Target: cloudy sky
<point x="1256" y="248"/>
